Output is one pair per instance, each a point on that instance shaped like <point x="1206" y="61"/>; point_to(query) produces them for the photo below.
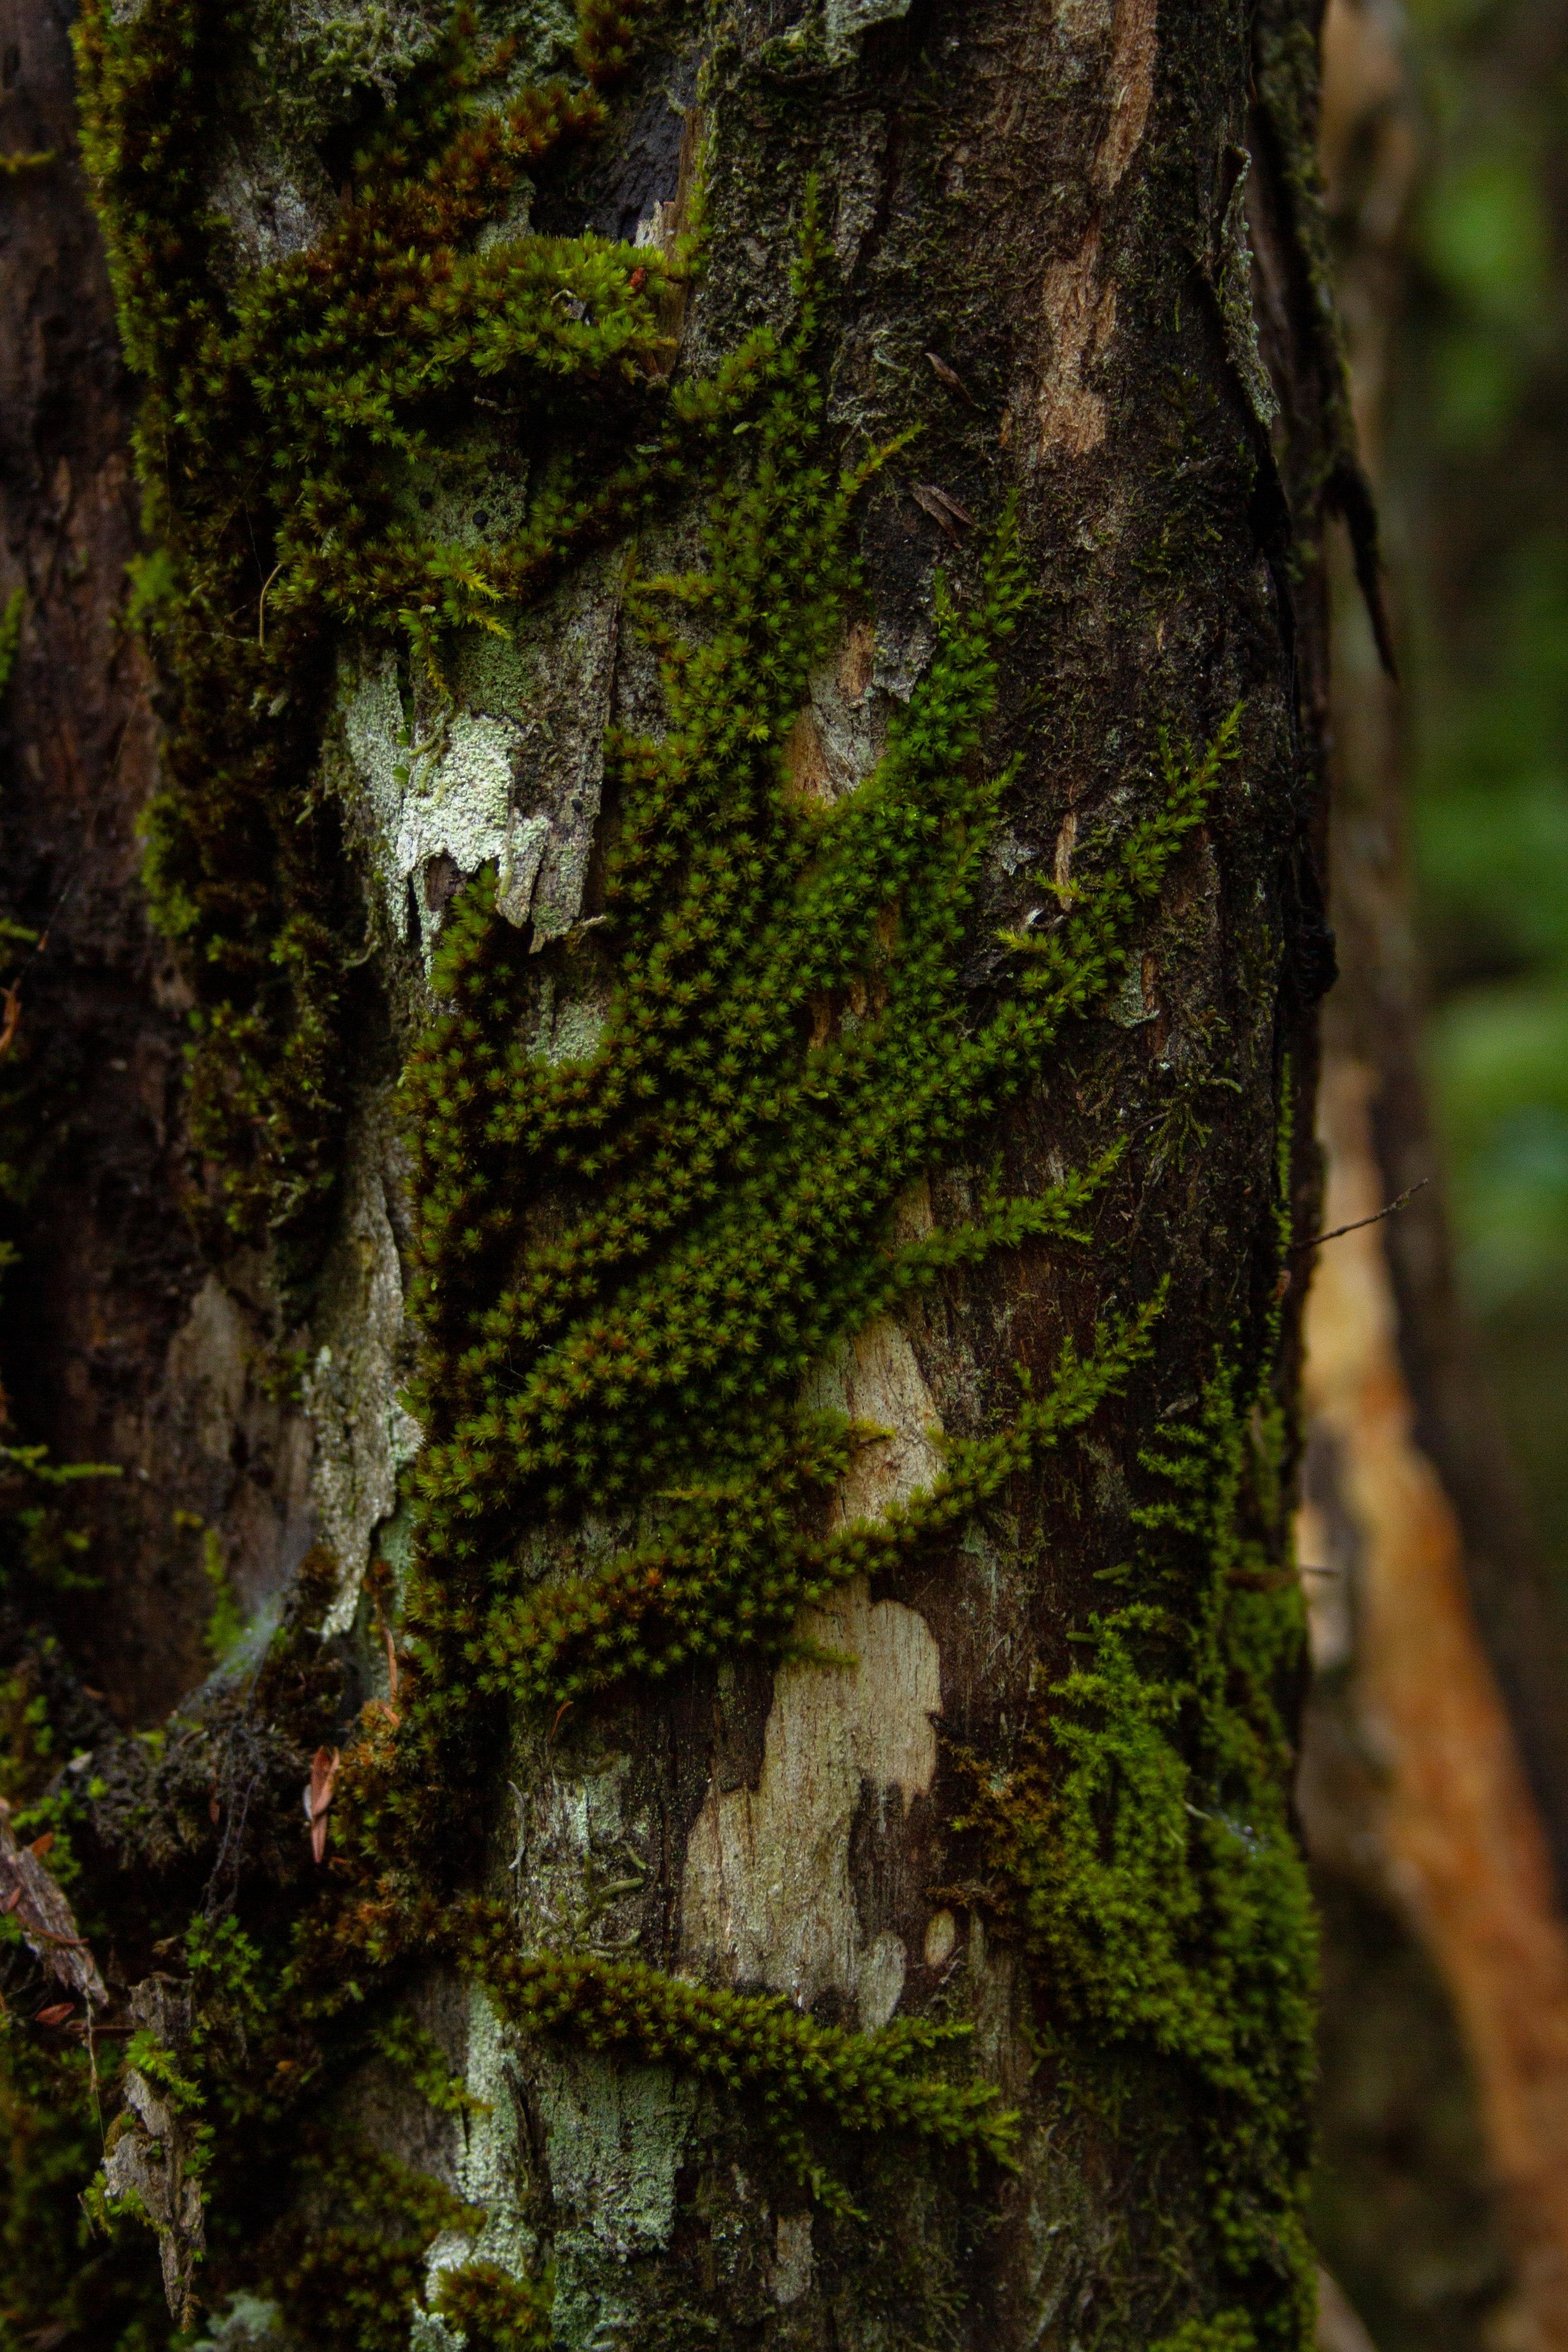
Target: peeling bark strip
<point x="151" y="2157"/>
<point x="30" y="1896"/>
<point x="802" y="750"/>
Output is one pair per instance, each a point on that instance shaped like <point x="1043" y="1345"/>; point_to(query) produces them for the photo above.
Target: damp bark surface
<point x="118" y="1347"/>
<point x="1061" y="270"/>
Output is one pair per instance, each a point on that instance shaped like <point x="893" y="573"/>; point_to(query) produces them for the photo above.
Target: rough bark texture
<point x="1070" y="272"/>
<point x="118" y="1349"/>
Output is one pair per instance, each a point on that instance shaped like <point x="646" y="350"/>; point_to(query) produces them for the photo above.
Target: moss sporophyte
<point x="722" y="1166"/>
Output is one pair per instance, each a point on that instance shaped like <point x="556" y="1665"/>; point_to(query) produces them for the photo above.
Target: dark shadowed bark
<point x="739" y="597"/>
<point x="107" y="1355"/>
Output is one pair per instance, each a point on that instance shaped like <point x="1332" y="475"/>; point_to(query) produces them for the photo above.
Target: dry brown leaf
<point x="943" y="508"/>
<point x="29" y="1894"/>
<point x="319" y="1798"/>
<point x="950" y="376"/>
<point x="56" y="2014"/>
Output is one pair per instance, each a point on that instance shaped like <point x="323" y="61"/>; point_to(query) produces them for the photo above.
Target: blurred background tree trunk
<point x="1436" y="1764"/>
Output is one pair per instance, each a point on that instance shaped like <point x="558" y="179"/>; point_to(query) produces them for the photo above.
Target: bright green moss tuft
<point x="1146" y="1841"/>
<point x="758" y="2044"/>
<point x="286" y="415"/>
<point x="495" y="2312"/>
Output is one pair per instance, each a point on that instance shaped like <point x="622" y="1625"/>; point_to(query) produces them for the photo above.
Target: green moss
<point x="287" y="416"/>
<point x="348" y="2274"/>
<point x="495" y="2312"/>
<point x="1146" y="1841"/>
<point x="758" y="2044"/>
<point x="737" y="1181"/>
<point x="408" y="2045"/>
<point x="1231" y="2332"/>
<point x="11" y="634"/>
<point x="627" y="1260"/>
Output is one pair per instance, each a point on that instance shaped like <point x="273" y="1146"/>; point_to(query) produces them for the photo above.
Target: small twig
<point x="390" y="1702"/>
<point x="1391" y="1210"/>
<point x="261" y="602"/>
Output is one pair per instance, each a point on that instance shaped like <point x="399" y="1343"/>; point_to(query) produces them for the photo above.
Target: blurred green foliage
<point x="1480" y="474"/>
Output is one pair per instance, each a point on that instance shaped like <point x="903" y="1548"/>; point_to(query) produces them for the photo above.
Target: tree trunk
<point x="741" y="668"/>
<point x="1431" y="1784"/>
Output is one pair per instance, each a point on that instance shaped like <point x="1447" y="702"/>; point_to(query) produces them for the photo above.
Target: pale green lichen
<point x="490" y="2178"/>
<point x="510" y="775"/>
<point x="364" y="1435"/>
<point x="845" y="20"/>
<point x="249" y="2323"/>
<point x="615" y="2137"/>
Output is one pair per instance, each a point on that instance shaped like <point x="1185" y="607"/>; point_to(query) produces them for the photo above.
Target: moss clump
<point x="729" y="1175"/>
<point x="349" y="2274"/>
<point x="287" y="415"/>
<point x="495" y="2312"/>
<point x="803" y="2074"/>
<point x="627" y="1261"/>
<point x="1146" y="1841"/>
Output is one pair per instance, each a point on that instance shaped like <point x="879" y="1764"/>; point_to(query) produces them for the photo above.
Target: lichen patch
<point x="488" y="2168"/>
<point x="614" y="2139"/>
<point x="364" y="1435"/>
<point x="449" y="797"/>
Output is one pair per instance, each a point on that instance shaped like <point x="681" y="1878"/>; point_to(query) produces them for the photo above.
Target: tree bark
<point x="791" y="1694"/>
<point x="106" y="1357"/>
